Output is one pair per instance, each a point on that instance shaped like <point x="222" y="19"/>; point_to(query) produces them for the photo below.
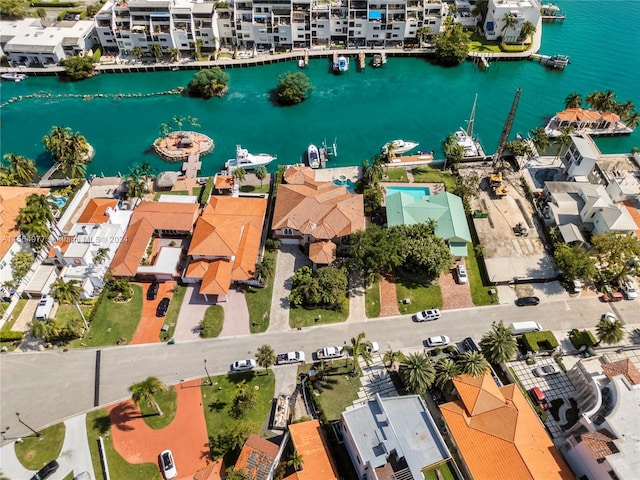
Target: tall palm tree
<point x="573" y="100"/>
<point x="33" y="220"/>
<point x="473" y="363"/>
<point x="295" y="461"/>
<point x="136" y="185"/>
<point x="23" y="169"/>
<point x="610" y="331"/>
<point x="56" y="142"/>
<point x="239" y="175"/>
<point x="66" y="292"/>
<point x="261" y="173"/>
<point x="446" y="370"/>
<point x="540" y="138"/>
<point x="100" y="256"/>
<point x="265" y="357"/>
<point x="564" y="139"/>
<point x="527" y="30"/>
<point x="417" y="373"/>
<point x="498" y="345"/>
<point x="264" y="269"/>
<point x="392" y="357"/>
<point x="146" y="392"/>
<point x="631" y="119"/>
<point x="510" y="21"/>
<point x="624" y="109"/>
<point x="360" y="347"/>
<point x="607" y="101"/>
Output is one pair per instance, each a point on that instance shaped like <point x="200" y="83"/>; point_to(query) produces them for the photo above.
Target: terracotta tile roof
<point x="217" y="279"/>
<point x="147" y="218"/>
<point x="322" y="210"/>
<point x="63" y="243"/>
<point x="622" y="367"/>
<point x="223" y="182"/>
<point x="95" y="211"/>
<point x="311" y="445"/>
<point x="323" y="252"/>
<point x="229" y="228"/>
<point x="257" y="457"/>
<point x="299" y="175"/>
<point x="213" y="471"/>
<point x="635" y="214"/>
<point x="600" y="443"/>
<point x="12" y="199"/>
<point x="499" y="435"/>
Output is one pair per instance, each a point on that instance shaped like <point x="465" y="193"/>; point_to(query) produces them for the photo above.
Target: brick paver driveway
<point x="148" y="330"/>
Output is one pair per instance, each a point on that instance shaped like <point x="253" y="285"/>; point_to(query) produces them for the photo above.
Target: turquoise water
<point x="345" y="183"/>
<point x="415" y="192"/>
<point x="59" y="201"/>
<point x="410" y="98"/>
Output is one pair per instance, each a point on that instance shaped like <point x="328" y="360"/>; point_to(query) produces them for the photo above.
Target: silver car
<point x="427" y="315"/>
<point x="439" y="341"/>
<point x="243" y="365"/>
<point x="544" y="370"/>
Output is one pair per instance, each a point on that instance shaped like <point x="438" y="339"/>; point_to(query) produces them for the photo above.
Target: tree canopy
<point x="209" y="83"/>
<point x="452" y="46"/>
<point x="78" y="68"/>
<point x="327" y="286"/>
<point x="16" y="170"/>
<point x="615" y="252"/>
<point x="293" y="88"/>
<point x="574" y="262"/>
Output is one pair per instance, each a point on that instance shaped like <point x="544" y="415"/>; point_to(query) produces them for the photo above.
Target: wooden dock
<point x="413" y="160"/>
<point x="553" y="18"/>
<point x="362" y="60"/>
<point x="192" y="166"/>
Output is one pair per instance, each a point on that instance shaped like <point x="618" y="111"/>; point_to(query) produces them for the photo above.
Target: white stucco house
<point x="521" y="10"/>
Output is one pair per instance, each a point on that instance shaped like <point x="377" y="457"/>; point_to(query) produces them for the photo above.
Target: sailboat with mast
<point x="465" y="138"/>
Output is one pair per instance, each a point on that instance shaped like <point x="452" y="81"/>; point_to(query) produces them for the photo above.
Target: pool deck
<point x="434" y="188"/>
<point x="330" y="174"/>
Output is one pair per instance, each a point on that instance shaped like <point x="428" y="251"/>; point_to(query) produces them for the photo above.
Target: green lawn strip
<point x="301" y="317"/>
<point x="445" y="471"/>
<point x="69" y="312"/>
<point x="156" y="197"/>
<point x="256" y="188"/>
<point x="195" y="191"/>
<point x="422" y="297"/>
<point x="70" y="476"/>
<point x="479" y="292"/>
<point x="433" y="175"/>
<point x="259" y="302"/>
<point x="212" y="322"/>
<point x="35" y="452"/>
<point x="167" y="401"/>
<point x="372" y="301"/>
<point x="8" y="325"/>
<point x="338" y="389"/>
<point x="217" y="401"/>
<point x="113" y="321"/>
<point x="480" y="44"/>
<point x="172" y="314"/>
<point x="395" y="175"/>
<point x="99" y="424"/>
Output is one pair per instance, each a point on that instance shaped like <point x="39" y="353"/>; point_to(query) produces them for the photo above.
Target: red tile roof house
<point x="309" y="212"/>
<point x="154" y="224"/>
<point x="226" y="244"/>
<point x="310" y="443"/>
<point x="258" y="458"/>
<point x="498" y="434"/>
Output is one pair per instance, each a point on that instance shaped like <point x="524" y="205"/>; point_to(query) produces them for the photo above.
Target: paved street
<point x="49" y="386"/>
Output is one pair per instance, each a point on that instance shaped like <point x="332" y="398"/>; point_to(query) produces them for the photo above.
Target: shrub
<point x="293" y="88"/>
<point x="272" y="244"/>
<point x="10" y="336"/>
<point x="56" y="4"/>
<point x="581" y="338"/>
<point x="205" y="193"/>
<point x="209" y="83"/>
<point x="534" y="341"/>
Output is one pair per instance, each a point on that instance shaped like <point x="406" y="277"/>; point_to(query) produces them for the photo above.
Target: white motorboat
<point x="398" y="146"/>
<point x="343" y="63"/>
<point x="313" y="157"/>
<point x="13" y="76"/>
<point x="465" y="139"/>
<point x="247" y="160"/>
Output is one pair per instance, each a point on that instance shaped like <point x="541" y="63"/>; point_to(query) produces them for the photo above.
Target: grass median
<point x="35" y="452"/>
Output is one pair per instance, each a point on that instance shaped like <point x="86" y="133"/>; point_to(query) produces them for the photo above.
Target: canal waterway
<point x="409" y="99"/>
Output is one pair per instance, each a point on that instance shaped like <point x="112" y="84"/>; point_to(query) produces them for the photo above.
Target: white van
<point x="44" y="307"/>
<point x="525" y="327"/>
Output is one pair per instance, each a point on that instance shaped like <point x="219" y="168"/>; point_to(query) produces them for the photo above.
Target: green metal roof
<point x="445" y="208"/>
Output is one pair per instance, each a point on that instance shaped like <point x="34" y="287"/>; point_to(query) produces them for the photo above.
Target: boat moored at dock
<point x="313" y="156"/>
<point x="247" y="160"/>
<point x="398" y="146"/>
<point x="14" y="76"/>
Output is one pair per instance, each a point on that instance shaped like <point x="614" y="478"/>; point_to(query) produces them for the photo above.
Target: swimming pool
<point x="415" y="192"/>
<point x="59" y="201"/>
<point x="345" y="183"/>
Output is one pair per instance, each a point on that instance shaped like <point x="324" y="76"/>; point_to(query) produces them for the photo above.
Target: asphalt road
<point x="47" y="387"/>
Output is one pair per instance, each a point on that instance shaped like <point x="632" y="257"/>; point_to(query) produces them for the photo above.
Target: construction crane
<point x="498" y="163"/>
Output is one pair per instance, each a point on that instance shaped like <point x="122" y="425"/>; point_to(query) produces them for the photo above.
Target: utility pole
<point x="207" y="372"/>
<point x="38" y="434"/>
<point x="506" y="131"/>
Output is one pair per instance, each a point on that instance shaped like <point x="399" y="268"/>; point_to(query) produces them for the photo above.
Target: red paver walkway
<point x="186" y="436"/>
<point x="148" y="330"/>
<point x="388" y="297"/>
<point x="454" y="295"/>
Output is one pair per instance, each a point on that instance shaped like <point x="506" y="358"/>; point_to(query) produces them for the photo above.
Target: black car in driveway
<point x="163" y="306"/>
<point x="46" y="471"/>
<point x="470" y="345"/>
<point x="527" y="301"/>
<point x="152" y="293"/>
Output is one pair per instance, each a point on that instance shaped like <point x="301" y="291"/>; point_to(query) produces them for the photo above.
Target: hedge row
<point x="205" y="193"/>
<point x="535" y="341"/>
<point x="10" y="336"/>
<point x="56" y="4"/>
<point x="580" y="338"/>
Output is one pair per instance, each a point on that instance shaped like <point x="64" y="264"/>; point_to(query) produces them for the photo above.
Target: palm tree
<point x="360" y="347"/>
<point x="146" y="392"/>
<point x="33" y="220"/>
<point x="498" y="345"/>
<point x="261" y="173"/>
<point x="573" y="100"/>
<point x="264" y="269"/>
<point x="136" y="185"/>
<point x="446" y="370"/>
<point x="607" y="101"/>
<point x="610" y="330"/>
<point x="174" y="53"/>
<point x="510" y="21"/>
<point x="417" y="373"/>
<point x="423" y="33"/>
<point x="239" y="175"/>
<point x="527" y="29"/>
<point x="631" y="120"/>
<point x="22" y="169"/>
<point x="624" y="109"/>
<point x="295" y="461"/>
<point x="66" y="292"/>
<point x="473" y="363"/>
<point x="540" y="138"/>
<point x="564" y="139"/>
<point x="392" y="357"/>
<point x="100" y="256"/>
<point x="146" y="171"/>
<point x="265" y="357"/>
<point x="56" y="142"/>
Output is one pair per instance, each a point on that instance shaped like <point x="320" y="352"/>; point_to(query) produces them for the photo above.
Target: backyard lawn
<point x="445" y="471"/>
<point x="480" y="44"/>
<point x="372" y="301"/>
<point x="433" y="175"/>
<point x="172" y="314"/>
<point x="217" y="401"/>
<point x="256" y="188"/>
<point x="338" y="389"/>
<point x="113" y="321"/>
<point x="421" y="296"/>
<point x="35" y="452"/>
<point x="99" y="424"/>
<point x="479" y="292"/>
<point x="259" y="301"/>
<point x="395" y="175"/>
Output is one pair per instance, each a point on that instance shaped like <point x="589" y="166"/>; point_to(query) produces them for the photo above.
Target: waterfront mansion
<point x="260" y="25"/>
